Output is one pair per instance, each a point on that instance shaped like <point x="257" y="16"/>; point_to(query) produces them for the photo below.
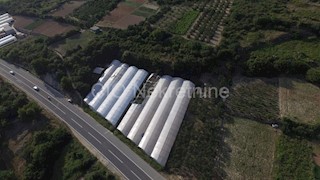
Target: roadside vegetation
<point x="261" y="39"/>
<point x="31" y="138"/>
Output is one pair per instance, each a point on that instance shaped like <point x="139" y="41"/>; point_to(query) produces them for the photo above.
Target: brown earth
<point x="21" y="22"/>
<point x="117" y="14"/>
<point x="68" y="8"/>
<point x="51" y="28"/>
<point x="128" y="20"/>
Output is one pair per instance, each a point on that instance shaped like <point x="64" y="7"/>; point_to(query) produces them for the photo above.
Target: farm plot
<point x="209" y="26"/>
<point x="21" y="22"/>
<point x="172" y="16"/>
<point x="51" y="28"/>
<point x="252" y="149"/>
<point x="255" y="98"/>
<point x="183" y="24"/>
<point x="299" y="100"/>
<point x="68" y="8"/>
<point x="73" y="42"/>
<point x="129" y="12"/>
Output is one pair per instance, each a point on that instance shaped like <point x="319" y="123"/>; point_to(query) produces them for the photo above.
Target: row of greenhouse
<point x="153" y="123"/>
<point x="7" y="32"/>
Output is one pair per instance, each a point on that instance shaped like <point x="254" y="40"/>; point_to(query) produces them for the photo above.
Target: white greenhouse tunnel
<point x="151" y="122"/>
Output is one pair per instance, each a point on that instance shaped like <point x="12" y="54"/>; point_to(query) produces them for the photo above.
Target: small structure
<point x="275" y="125"/>
<point x="95" y="29"/>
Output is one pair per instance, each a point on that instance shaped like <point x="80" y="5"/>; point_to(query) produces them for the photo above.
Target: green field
<point x="299" y="100"/>
<point x="72" y="42"/>
<point x="255" y="98"/>
<point x="293" y="159"/>
<point x="144" y="12"/>
<point x="35" y="24"/>
<point x="132" y="3"/>
<point x="252" y="147"/>
<point x="289" y="49"/>
<point x="183" y="24"/>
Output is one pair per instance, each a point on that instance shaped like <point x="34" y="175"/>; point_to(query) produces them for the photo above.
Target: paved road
<point x="111" y="148"/>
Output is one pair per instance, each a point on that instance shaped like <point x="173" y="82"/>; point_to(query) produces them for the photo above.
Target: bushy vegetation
<point x="34" y="54"/>
<point x="93" y="10"/>
<point x="183" y="24"/>
<point x="51" y="152"/>
<point x="10" y="103"/>
<point x="293" y="159"/>
<point x="300" y="130"/>
<point x="43" y="151"/>
<point x="78" y="162"/>
<point x="294" y="57"/>
<point x="313" y="75"/>
<point x="30" y="7"/>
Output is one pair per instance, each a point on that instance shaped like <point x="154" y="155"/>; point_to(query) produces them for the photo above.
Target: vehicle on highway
<point x="11" y="72"/>
<point x="49" y="98"/>
<point x="36" y="88"/>
<point x="70" y="100"/>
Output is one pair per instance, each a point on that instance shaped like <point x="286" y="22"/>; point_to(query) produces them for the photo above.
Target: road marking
<point x="76" y="122"/>
<point x="135" y="174"/>
<point x="62" y="119"/>
<point x="94" y="137"/>
<point x="115" y="155"/>
<point x="32" y="76"/>
<point x="21" y="82"/>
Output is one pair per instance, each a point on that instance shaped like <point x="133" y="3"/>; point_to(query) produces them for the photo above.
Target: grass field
<point x="290" y="49"/>
<point x="144" y="12"/>
<point x="67" y="8"/>
<point x="267" y="36"/>
<point x="299" y="100"/>
<point x="34" y="25"/>
<point x="293" y="159"/>
<point x="252" y="149"/>
<point x="72" y="42"/>
<point x="183" y="24"/>
<point x="254" y="98"/>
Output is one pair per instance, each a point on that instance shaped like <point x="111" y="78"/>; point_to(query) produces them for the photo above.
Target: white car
<point x="11" y="72"/>
<point x="70" y="100"/>
<point x="36" y="88"/>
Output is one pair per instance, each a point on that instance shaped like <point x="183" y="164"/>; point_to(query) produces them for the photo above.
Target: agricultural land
<point x="265" y="52"/>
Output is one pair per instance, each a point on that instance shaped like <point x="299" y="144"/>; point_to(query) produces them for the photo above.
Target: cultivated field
<point x="299" y="100"/>
<point x="129" y="12"/>
<point x="51" y="28"/>
<point x="254" y="98"/>
<point x="48" y="28"/>
<point x="67" y="8"/>
<point x="202" y="21"/>
<point x="22" y="21"/>
<point x="252" y="151"/>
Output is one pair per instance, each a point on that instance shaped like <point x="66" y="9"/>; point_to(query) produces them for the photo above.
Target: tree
<point x="29" y="112"/>
<point x="66" y="83"/>
<point x="313" y="75"/>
